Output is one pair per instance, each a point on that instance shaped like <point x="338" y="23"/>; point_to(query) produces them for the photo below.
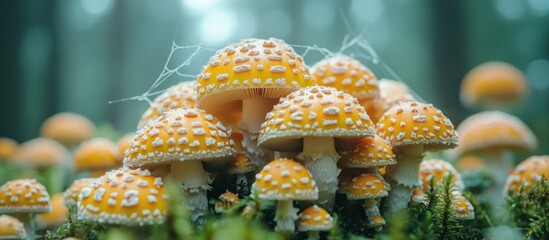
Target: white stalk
<point x="254" y="111"/>
<point x="372" y="210"/>
<point x="320" y="157"/>
<point x="194" y="183"/>
<point x="285" y="216"/>
<point x="26" y="219"/>
<point x="314" y="235"/>
<point x="498" y="165"/>
<point x="404" y="176"/>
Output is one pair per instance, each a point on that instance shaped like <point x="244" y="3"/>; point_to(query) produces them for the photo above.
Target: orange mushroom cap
<point x="348" y="75"/>
<point x="527" y="173"/>
<point x="226" y="201"/>
<point x="8" y="148"/>
<point x="123" y="196"/>
<point x="252" y="68"/>
<point x="70" y="196"/>
<point x="391" y="93"/>
<point x="24" y="196"/>
<point x="68" y="128"/>
<point x="177" y="96"/>
<point x="124" y="143"/>
<point x="285" y="179"/>
<point x="57" y="215"/>
<point x="409" y="123"/>
<point x="11" y="228"/>
<point x="241" y="164"/>
<point x="493" y="84"/>
<point x="315" y="112"/>
<point x="494" y="130"/>
<point x="367" y="186"/>
<point x="462" y="207"/>
<point x="438" y="169"/>
<point x="470" y="162"/>
<point x="314" y="218"/>
<point x="370" y="152"/>
<point x="41" y="153"/>
<point x="183" y="134"/>
<point x="97" y="154"/>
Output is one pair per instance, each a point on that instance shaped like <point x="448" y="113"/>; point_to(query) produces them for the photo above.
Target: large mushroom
<point x="70" y="129"/>
<point x="46" y="156"/>
<point x="257" y="72"/>
<point x="11" y="228"/>
<point x="317" y="121"/>
<point x="526" y="174"/>
<point x="24" y="197"/>
<point x="182" y="139"/>
<point x="494" y="135"/>
<point x="177" y="96"/>
<point x="350" y="76"/>
<point x="285" y="180"/>
<point x="412" y="128"/>
<point x="97" y="155"/>
<point x="124" y="197"/>
<point x="493" y="85"/>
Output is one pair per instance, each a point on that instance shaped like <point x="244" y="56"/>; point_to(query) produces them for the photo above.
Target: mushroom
<point x="438" y="169"/>
<point x="124" y="143"/>
<point x="56" y="216"/>
<point x="350" y="76"/>
<point x="11" y="228"/>
<point x="70" y="196"/>
<point x="70" y="129"/>
<point x="463" y="209"/>
<point x="8" y="148"/>
<point x="257" y="72"/>
<point x="176" y="96"/>
<point x="24" y="197"/>
<point x="48" y="157"/>
<point x="124" y="197"/>
<point x="526" y="174"/>
<point x="493" y="85"/>
<point x="391" y="93"/>
<point x="313" y="220"/>
<point x="369" y="187"/>
<point x="226" y="201"/>
<point x="97" y="156"/>
<point x="493" y="135"/>
<point x="241" y="165"/>
<point x="284" y="180"/>
<point x="412" y="128"/>
<point x="317" y="121"/>
<point x="182" y="139"/>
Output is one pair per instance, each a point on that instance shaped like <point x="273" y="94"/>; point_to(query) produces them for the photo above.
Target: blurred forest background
<point x="77" y="55"/>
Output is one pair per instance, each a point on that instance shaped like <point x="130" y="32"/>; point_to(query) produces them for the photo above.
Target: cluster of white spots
<point x="366" y="186"/>
<point x="279" y="180"/>
<point x="370" y="152"/>
<point x="24" y="195"/>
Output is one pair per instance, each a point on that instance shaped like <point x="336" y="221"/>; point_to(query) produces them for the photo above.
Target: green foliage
<point x="75" y="227"/>
<point x="530" y="209"/>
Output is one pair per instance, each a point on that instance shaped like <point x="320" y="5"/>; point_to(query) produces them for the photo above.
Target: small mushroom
<point x="526" y="174"/>
<point x="493" y="85"/>
<point x="226" y="201"/>
<point x="285" y="180"/>
<point x="313" y="220"/>
<point x="8" y="149"/>
<point x="11" y="228"/>
<point x="438" y="169"/>
<point x="317" y="121"/>
<point x="124" y="197"/>
<point x="70" y="129"/>
<point x="256" y="72"/>
<point x="369" y="188"/>
<point x="463" y="209"/>
<point x="412" y="128"/>
<point x="24" y="197"/>
<point x="97" y="156"/>
<point x="182" y="139"/>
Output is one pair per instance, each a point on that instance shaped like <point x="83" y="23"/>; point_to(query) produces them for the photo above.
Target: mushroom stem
<point x="26" y="219"/>
<point x="498" y="164"/>
<point x="404" y="176"/>
<point x="194" y="183"/>
<point x="320" y="157"/>
<point x="372" y="210"/>
<point x="314" y="235"/>
<point x="285" y="216"/>
<point x="254" y="111"/>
